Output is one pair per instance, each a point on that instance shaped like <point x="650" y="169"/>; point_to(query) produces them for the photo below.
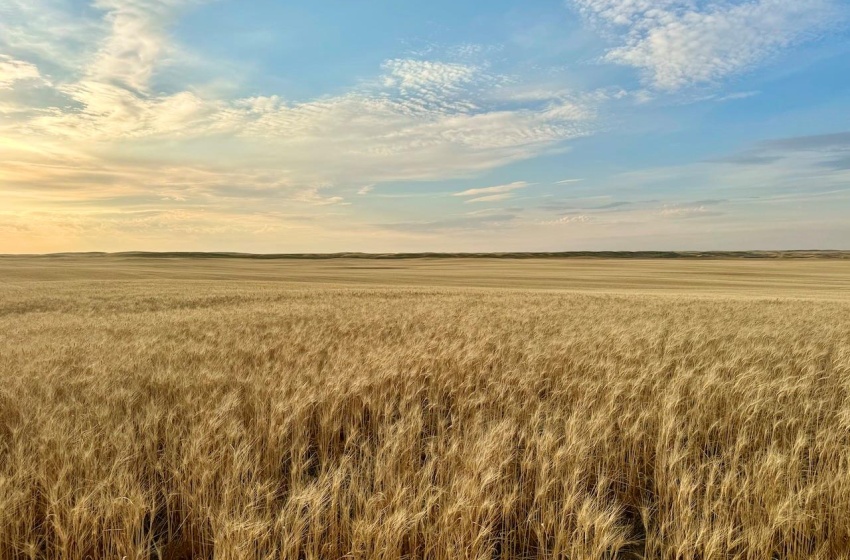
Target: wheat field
<point x="181" y="409"/>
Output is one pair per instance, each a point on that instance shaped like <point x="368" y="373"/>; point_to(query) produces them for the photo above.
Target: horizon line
<point x="646" y="254"/>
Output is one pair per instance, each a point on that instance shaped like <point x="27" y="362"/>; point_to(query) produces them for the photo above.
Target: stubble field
<point x="439" y="409"/>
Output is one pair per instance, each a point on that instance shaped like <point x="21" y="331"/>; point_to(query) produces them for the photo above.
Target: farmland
<point x="234" y="408"/>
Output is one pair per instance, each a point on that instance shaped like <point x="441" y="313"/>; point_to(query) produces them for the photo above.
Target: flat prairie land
<point x="182" y="408"/>
<point x="767" y="277"/>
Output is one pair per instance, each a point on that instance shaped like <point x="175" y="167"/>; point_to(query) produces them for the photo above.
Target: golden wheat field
<point x="425" y="409"/>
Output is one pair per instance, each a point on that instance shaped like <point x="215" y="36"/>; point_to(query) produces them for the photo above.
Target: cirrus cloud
<point x="498" y="189"/>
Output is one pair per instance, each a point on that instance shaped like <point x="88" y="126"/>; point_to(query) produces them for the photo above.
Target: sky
<point x="387" y="126"/>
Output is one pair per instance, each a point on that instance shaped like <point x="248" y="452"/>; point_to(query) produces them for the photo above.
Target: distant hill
<point x="812" y="254"/>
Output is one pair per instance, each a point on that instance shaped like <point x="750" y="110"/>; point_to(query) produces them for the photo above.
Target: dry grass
<point x="179" y="418"/>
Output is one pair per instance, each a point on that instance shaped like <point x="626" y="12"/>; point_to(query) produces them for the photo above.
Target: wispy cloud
<point x="490" y="198"/>
<point x="136" y="41"/>
<point x="498" y="189"/>
<point x="777" y="181"/>
<point x="569" y="219"/>
<point x="313" y="196"/>
<point x="12" y="71"/>
<point x="830" y="151"/>
<point x="688" y="210"/>
<point x="678" y="43"/>
<point x="48" y="32"/>
<point x="612" y="205"/>
<point x="837" y="141"/>
<point x="737" y="95"/>
<point x="454" y="224"/>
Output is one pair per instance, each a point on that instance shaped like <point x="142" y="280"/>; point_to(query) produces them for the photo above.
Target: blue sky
<point x="290" y="126"/>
